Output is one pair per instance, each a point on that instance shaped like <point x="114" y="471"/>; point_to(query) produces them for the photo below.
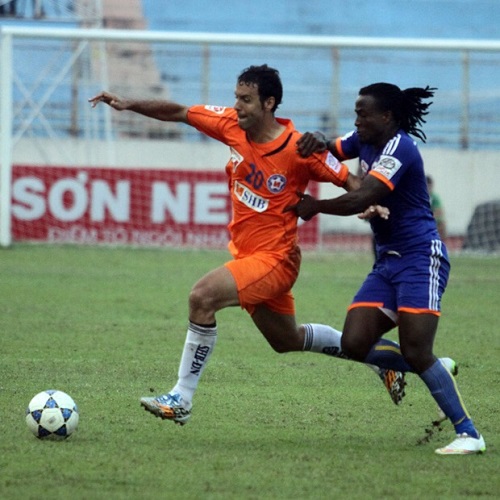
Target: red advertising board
<point x="145" y="207"/>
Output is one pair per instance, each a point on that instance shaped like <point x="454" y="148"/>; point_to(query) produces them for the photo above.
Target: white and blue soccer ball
<point x="52" y="415"/>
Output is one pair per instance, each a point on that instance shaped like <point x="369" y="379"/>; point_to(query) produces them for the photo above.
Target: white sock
<point x="326" y="340"/>
<point x="323" y="339"/>
<point x="200" y="342"/>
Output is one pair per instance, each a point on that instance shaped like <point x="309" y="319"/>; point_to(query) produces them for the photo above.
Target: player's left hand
<point x="311" y="142"/>
<point x="375" y="211"/>
<point x="306" y="208"/>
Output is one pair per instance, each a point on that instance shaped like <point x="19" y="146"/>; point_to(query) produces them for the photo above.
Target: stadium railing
<point x="47" y="75"/>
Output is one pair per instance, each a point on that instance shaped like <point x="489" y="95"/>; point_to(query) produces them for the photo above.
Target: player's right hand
<point x="112" y="100"/>
<point x="306" y="208"/>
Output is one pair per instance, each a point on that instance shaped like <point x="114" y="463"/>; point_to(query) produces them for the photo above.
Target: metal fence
<point x="48" y="74"/>
<point x="55" y="70"/>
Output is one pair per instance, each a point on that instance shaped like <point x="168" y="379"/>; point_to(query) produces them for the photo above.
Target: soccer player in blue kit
<point x="410" y="273"/>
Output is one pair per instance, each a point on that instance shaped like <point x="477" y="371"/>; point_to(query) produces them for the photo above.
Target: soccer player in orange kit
<point x="265" y="172"/>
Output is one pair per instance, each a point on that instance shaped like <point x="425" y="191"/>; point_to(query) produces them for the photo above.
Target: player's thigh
<point x="377" y="291"/>
<point x="363" y="327"/>
<point x="421" y="280"/>
<point x="262" y="278"/>
<point x="280" y="330"/>
<point x="214" y="291"/>
<point x="416" y="337"/>
<point x="372" y="313"/>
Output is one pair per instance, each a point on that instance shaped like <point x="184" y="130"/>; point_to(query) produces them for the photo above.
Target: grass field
<point x="107" y="326"/>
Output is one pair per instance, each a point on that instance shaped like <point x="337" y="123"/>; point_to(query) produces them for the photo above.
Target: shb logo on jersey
<point x="249" y="198"/>
<point x="387" y="166"/>
<point x="236" y="159"/>
<point x="215" y="109"/>
<point x="276" y="183"/>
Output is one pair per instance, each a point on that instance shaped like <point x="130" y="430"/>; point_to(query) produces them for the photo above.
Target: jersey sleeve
<point x="397" y="156"/>
<point x="348" y="146"/>
<point x="213" y="121"/>
<point x="324" y="167"/>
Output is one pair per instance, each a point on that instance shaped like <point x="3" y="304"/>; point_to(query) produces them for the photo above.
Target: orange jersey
<point x="263" y="180"/>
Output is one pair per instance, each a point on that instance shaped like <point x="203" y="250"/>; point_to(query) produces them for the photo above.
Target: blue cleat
<point x="170" y="406"/>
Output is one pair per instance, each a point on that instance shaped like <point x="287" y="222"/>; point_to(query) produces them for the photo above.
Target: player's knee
<point x="353" y="349"/>
<point x="418" y="359"/>
<point x="200" y="299"/>
<point x="280" y="347"/>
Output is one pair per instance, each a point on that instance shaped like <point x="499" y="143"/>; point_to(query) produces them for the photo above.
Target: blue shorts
<point x="411" y="282"/>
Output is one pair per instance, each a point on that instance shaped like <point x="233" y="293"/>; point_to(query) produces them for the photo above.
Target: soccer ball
<point x="52" y="415"/>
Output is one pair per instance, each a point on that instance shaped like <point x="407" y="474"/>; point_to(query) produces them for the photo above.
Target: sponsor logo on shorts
<point x="215" y="109"/>
<point x="249" y="198"/>
<point x="276" y="183"/>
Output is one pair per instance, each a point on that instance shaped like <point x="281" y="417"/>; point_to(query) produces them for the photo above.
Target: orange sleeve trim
<point x="413" y="310"/>
<point x="382" y="178"/>
<point x="365" y="304"/>
<point x="343" y="176"/>
<point x="338" y="147"/>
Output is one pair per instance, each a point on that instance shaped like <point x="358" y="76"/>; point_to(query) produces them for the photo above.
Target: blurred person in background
<point x="436" y="207"/>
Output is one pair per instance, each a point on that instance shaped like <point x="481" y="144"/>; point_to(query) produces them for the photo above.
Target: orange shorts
<point x="267" y="279"/>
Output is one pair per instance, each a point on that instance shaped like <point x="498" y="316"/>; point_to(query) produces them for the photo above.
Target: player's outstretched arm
<point x="159" y="109"/>
<point x="354" y="202"/>
<point x="353" y="182"/>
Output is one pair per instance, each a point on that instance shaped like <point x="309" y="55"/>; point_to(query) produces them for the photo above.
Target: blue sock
<point x="387" y="354"/>
<point x="444" y="390"/>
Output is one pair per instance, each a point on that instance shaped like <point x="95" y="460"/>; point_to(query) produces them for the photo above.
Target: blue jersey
<point x="399" y="166"/>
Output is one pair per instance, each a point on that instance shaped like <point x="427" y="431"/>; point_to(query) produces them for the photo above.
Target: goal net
<point x="483" y="232"/>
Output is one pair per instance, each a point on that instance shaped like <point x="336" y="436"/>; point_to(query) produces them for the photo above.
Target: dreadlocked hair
<point x="407" y="106"/>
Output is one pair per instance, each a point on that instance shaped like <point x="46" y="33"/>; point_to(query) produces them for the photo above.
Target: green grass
<point x="107" y="326"/>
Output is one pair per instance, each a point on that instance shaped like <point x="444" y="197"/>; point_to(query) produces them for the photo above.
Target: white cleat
<point x="450" y="365"/>
<point x="463" y="445"/>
